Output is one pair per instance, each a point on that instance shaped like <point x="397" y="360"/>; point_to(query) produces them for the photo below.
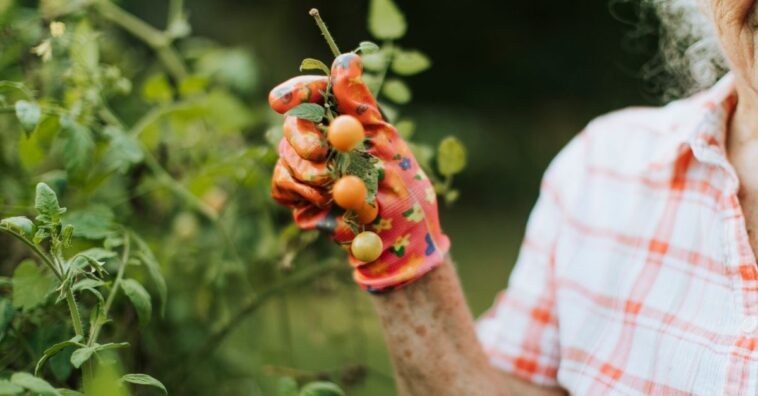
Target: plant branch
<point x="156" y="39"/>
<point x="95" y="331"/>
<point x="36" y="250"/>
<point x="325" y="31"/>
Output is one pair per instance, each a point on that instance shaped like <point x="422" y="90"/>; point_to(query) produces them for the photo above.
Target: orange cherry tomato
<point x="345" y="133"/>
<point x="349" y="192"/>
<point x="367" y="246"/>
<point x="367" y="213"/>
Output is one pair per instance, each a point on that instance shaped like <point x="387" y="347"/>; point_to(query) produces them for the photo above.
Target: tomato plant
<point x="137" y="231"/>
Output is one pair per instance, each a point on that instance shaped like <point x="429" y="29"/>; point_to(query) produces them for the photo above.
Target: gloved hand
<point x="407" y="223"/>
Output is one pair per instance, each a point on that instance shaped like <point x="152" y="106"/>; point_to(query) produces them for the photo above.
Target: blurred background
<point x="513" y="80"/>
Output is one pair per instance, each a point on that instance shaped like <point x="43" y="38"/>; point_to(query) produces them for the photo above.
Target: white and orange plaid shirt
<point x="636" y="275"/>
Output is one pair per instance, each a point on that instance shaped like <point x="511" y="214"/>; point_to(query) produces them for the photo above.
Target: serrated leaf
<point x="18" y="224"/>
<point x="314" y="64"/>
<point x="144" y="379"/>
<point x="153" y="270"/>
<point x="50" y="352"/>
<point x="78" y="145"/>
<point x="46" y="202"/>
<point x="92" y="222"/>
<point x="367" y="47"/>
<point x="30" y="286"/>
<point x="396" y="91"/>
<point x="81" y="355"/>
<point x="140" y="299"/>
<point x="34" y="384"/>
<point x="9" y="388"/>
<point x="409" y="62"/>
<point x="321" y="388"/>
<point x="89" y="285"/>
<point x="385" y="21"/>
<point x="451" y="156"/>
<point x="28" y="115"/>
<point x="308" y="111"/>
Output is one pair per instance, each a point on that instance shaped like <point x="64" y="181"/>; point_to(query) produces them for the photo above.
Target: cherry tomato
<point x="367" y="246"/>
<point x="367" y="213"/>
<point x="349" y="192"/>
<point x="345" y="133"/>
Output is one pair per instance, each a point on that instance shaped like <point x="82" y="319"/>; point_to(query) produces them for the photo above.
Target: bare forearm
<point x="429" y="331"/>
<point x="430" y="334"/>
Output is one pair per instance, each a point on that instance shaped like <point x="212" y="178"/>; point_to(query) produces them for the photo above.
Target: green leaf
<point x="405" y="128"/>
<point x="410" y="62"/>
<point x="308" y="111"/>
<point x="83" y="354"/>
<point x="314" y="64"/>
<point x="374" y="62"/>
<point x="451" y="156"/>
<point x="78" y="145"/>
<point x="93" y="222"/>
<point x="367" y="47"/>
<point x="286" y="386"/>
<point x="9" y="388"/>
<point x="233" y="67"/>
<point x="144" y="379"/>
<point x="89" y="285"/>
<point x="123" y="152"/>
<point x="84" y="49"/>
<point x="46" y="202"/>
<point x="50" y="352"/>
<point x="28" y="115"/>
<point x="18" y="224"/>
<point x="153" y="270"/>
<point x="385" y="21"/>
<point x="321" y="388"/>
<point x="157" y="89"/>
<point x="140" y="298"/>
<point x="30" y="286"/>
<point x="396" y="91"/>
<point x="193" y="85"/>
<point x="34" y="384"/>
<point x="6" y="315"/>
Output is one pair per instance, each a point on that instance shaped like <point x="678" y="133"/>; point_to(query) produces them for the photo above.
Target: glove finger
<point x="314" y="174"/>
<point x="352" y="95"/>
<point x="288" y="191"/>
<point x="297" y="90"/>
<point x="305" y="137"/>
<point x="309" y="217"/>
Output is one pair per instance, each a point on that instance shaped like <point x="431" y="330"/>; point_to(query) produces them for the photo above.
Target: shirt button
<point x="749" y="324"/>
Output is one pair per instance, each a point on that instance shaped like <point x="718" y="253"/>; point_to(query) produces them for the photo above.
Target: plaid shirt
<point x="636" y="275"/>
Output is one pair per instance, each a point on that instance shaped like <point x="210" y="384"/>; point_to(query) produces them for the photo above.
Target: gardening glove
<point x="407" y="222"/>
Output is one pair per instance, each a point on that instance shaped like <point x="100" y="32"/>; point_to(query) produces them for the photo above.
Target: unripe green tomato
<point x="367" y="246"/>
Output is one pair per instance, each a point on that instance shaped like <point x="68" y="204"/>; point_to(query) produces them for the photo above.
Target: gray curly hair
<point x="689" y="48"/>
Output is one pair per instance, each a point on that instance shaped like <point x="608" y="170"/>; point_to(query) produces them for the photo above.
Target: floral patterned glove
<point x="407" y="223"/>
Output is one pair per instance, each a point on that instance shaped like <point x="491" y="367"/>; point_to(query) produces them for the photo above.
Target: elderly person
<point x="637" y="274"/>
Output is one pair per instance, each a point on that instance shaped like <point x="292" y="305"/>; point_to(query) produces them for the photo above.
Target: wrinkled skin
<point x="407" y="222"/>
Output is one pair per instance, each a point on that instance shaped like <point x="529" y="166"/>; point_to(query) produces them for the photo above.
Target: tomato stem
<point x="325" y="31"/>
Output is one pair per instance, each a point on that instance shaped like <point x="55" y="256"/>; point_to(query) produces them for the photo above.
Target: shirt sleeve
<point x="519" y="332"/>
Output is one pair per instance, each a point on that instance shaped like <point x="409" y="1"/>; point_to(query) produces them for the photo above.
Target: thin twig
<point x="325" y="31"/>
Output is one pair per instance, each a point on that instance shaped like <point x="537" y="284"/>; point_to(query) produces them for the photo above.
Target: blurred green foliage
<point x="165" y="133"/>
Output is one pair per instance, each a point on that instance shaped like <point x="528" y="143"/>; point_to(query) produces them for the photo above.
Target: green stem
<point x="325" y="31"/>
<point x="36" y="250"/>
<point x="76" y="320"/>
<point x="156" y="39"/>
<point x="95" y="331"/>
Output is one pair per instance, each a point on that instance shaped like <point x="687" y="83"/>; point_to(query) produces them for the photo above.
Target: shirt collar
<point x="700" y="124"/>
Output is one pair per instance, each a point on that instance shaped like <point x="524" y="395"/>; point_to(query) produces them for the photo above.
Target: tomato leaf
<point x="308" y="111"/>
<point x="46" y="203"/>
<point x="385" y="21"/>
<point x="19" y="224"/>
<point x="367" y="47"/>
<point x="144" y="379"/>
<point x="92" y="222"/>
<point x="50" y="352"/>
<point x="28" y="115"/>
<point x="153" y="270"/>
<point x="410" y="62"/>
<point x="9" y="388"/>
<point x="31" y="286"/>
<point x="78" y="145"/>
<point x="140" y="299"/>
<point x="314" y="64"/>
<point x="396" y="91"/>
<point x="83" y="354"/>
<point x="34" y="384"/>
<point x="451" y="156"/>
